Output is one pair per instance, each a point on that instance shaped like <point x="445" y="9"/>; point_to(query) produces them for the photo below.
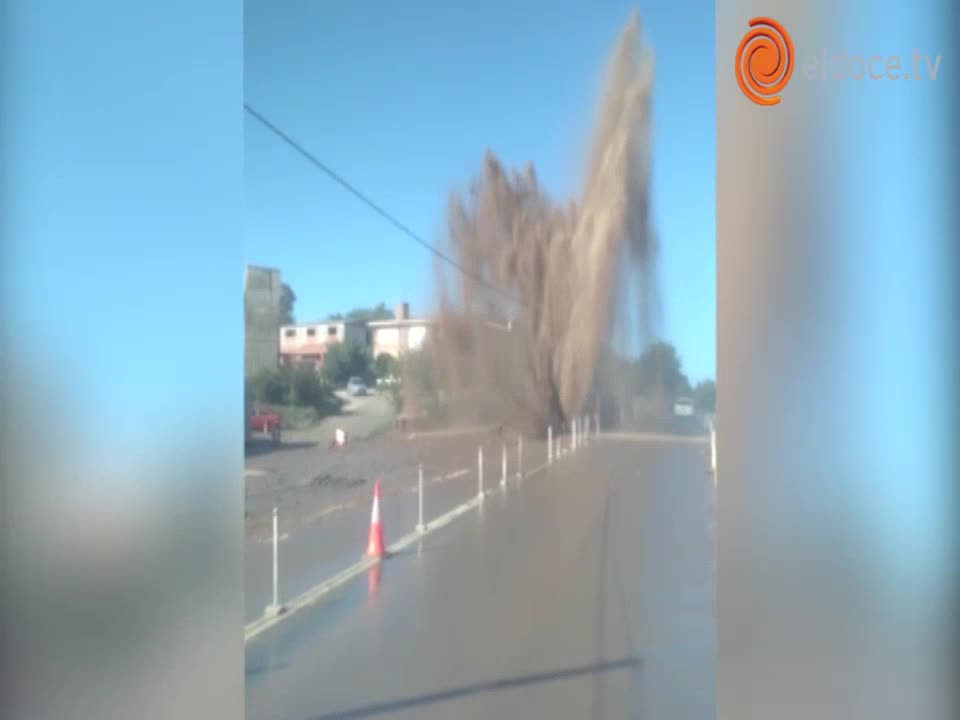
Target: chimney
<point x="402" y="312"/>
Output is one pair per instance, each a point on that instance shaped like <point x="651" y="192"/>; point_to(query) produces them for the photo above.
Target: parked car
<point x="356" y="386"/>
<point x="265" y="421"/>
<point x="683" y="407"/>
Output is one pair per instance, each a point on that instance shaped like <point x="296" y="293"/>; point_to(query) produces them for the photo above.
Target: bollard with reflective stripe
<point x="276" y="567"/>
<point x="480" y="472"/>
<point x="713" y="451"/>
<point x="275" y="608"/>
<point x="519" y="457"/>
<point x="503" y="468"/>
<point x="420" y="525"/>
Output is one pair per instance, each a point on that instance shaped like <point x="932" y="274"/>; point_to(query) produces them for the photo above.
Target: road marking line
<point x="263" y="540"/>
<point x="451" y="476"/>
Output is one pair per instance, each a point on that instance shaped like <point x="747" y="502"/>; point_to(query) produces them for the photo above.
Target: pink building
<point x="307" y="343"/>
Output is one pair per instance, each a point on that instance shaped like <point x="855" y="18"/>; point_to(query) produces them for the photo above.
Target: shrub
<point x="308" y="388"/>
<point x="270" y="386"/>
<point x="295" y="388"/>
<point x="344" y="361"/>
<point x="386" y="365"/>
<point x="311" y="390"/>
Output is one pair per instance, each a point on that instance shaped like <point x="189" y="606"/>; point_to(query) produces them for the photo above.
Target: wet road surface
<point x="586" y="591"/>
<point x="309" y="554"/>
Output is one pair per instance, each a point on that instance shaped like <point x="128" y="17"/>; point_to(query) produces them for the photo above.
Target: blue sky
<point x="403" y="99"/>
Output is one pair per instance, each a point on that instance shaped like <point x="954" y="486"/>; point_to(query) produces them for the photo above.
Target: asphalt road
<point x="583" y="592"/>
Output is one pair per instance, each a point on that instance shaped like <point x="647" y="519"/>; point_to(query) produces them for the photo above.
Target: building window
<point x="311" y="332"/>
<point x="290" y="332"/>
<point x="332" y="330"/>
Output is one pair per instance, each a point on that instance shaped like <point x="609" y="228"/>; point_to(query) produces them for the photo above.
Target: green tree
<point x="344" y="361"/>
<point x="705" y="396"/>
<point x="287" y="300"/>
<point x="379" y="312"/>
<point x="271" y="387"/>
<point x="659" y="373"/>
<point x="385" y="365"/>
<point x="362" y="314"/>
<point x="308" y="389"/>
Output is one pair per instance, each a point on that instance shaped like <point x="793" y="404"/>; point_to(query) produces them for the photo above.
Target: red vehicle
<point x="266" y="422"/>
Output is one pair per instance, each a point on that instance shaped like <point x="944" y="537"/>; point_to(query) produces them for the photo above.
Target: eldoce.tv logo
<point x="764" y="61"/>
<point x="876" y="67"/>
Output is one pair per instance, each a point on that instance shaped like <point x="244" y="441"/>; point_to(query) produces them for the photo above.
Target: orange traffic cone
<point x="375" y="546"/>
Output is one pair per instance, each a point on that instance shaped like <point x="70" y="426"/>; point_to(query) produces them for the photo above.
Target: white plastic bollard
<point x="519" y="457"/>
<point x="276" y="566"/>
<point x="503" y="468"/>
<point x="713" y="450"/>
<point x="596" y="417"/>
<point x="480" y="472"/>
<point x="274" y="607"/>
<point x="573" y="435"/>
<point x="549" y="444"/>
<point x="586" y="429"/>
<point x="420" y="525"/>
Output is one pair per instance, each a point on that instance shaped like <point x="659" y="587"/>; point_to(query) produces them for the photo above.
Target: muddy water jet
<point x="524" y="331"/>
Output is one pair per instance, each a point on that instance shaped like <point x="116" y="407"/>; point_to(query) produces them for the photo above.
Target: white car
<point x="356" y="386"/>
<point x="683" y="407"/>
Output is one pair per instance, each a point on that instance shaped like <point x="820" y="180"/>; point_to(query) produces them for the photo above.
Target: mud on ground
<point x="308" y="482"/>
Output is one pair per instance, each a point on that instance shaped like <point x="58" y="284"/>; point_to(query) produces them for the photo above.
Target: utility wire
<point x="353" y="190"/>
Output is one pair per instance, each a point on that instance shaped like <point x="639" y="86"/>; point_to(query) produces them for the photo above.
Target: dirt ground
<point x="307" y="480"/>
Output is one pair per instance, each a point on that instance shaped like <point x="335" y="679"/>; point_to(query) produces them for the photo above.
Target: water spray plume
<point x="529" y="351"/>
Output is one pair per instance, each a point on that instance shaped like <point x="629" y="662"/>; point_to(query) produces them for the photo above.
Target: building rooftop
<point x="400" y="323"/>
<point x="307" y="349"/>
<point x="261" y="268"/>
<point x="323" y="322"/>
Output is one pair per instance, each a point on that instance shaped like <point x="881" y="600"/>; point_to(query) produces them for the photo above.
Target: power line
<point x="353" y="190"/>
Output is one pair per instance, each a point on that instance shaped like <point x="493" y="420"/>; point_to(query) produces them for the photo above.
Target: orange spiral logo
<point x="764" y="61"/>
